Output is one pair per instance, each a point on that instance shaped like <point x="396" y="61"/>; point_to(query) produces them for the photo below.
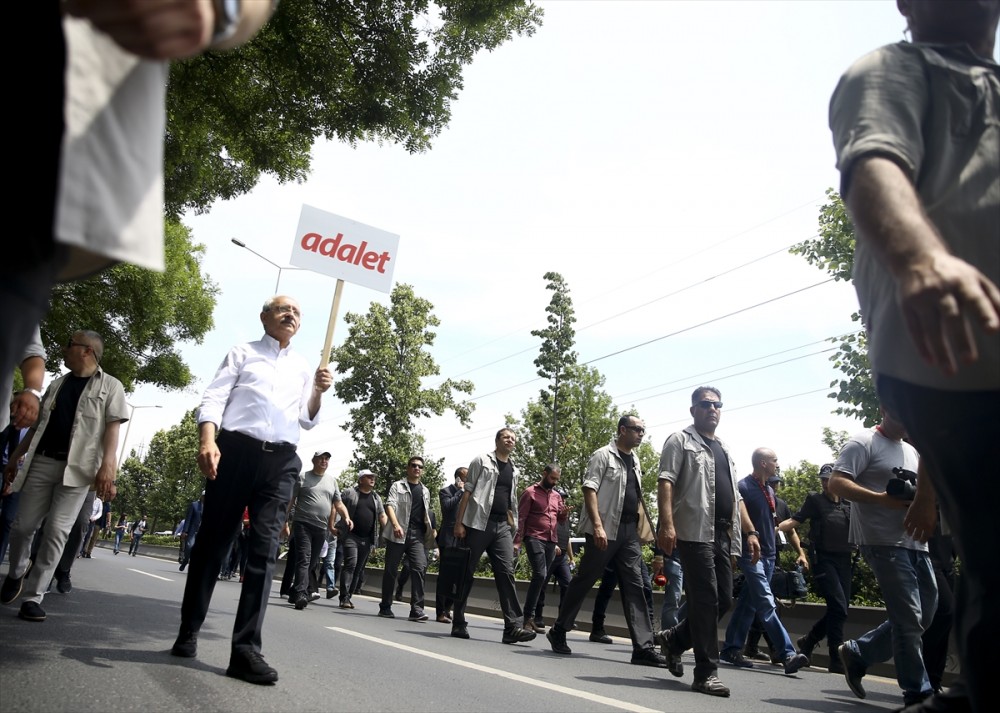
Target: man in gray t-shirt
<point x="867" y="465"/>
<point x="313" y="511"/>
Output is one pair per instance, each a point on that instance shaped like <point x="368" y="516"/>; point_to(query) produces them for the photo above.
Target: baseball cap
<point x="775" y="479"/>
<point x="826" y="471"/>
<point x="317" y="454"/>
<point x="363" y="472"/>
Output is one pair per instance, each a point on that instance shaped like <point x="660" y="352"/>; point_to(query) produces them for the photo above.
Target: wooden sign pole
<point x="334" y="309"/>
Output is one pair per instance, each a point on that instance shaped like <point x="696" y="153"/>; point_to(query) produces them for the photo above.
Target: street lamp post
<point x="277" y="282"/>
<point x="131" y="412"/>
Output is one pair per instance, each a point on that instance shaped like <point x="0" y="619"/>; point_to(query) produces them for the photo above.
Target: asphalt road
<point x="105" y="647"/>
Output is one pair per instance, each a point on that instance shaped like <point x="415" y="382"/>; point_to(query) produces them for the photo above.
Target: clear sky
<point x="662" y="156"/>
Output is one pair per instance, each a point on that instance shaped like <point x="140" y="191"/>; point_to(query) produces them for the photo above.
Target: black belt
<point x="723" y="523"/>
<point x="266" y="446"/>
<point x="498" y="517"/>
<point x="54" y="455"/>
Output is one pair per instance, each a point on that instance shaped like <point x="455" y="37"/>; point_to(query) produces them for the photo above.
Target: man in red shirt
<point x="539" y="510"/>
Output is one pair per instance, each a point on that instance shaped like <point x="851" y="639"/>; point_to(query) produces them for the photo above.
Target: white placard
<point x="346" y="249"/>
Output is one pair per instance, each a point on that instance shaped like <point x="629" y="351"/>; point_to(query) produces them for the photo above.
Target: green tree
<point x="167" y="479"/>
<point x="141" y="314"/>
<point x="834" y="440"/>
<point x="833" y="251"/>
<point x="589" y="424"/>
<point x="349" y="71"/>
<point x="556" y="356"/>
<point x="383" y="362"/>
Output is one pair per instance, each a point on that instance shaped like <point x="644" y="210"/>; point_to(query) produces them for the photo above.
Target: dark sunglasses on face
<point x="705" y="403"/>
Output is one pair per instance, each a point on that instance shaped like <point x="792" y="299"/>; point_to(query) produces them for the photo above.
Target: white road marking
<point x="612" y="702"/>
<point x="154" y="576"/>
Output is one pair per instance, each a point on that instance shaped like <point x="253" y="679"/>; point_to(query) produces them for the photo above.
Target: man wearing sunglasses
<point x="407" y="533"/>
<point x="615" y="522"/>
<point x="71" y="451"/>
<point x="702" y="515"/>
<point x="486" y="519"/>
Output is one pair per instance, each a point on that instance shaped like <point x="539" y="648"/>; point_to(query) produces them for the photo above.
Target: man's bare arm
<point x="942" y="296"/>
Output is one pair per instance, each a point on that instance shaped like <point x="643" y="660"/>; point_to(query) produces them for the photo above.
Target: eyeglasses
<point x="705" y="403"/>
<point x="638" y="429"/>
<point x="416" y="466"/>
<point x="286" y="309"/>
<point x="70" y="344"/>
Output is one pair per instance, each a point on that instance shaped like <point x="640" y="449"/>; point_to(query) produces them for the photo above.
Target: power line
<point x="707" y="321"/>
<point x="730" y="376"/>
<point x="739" y="363"/>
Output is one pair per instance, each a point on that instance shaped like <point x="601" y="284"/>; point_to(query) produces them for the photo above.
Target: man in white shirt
<point x="260" y="397"/>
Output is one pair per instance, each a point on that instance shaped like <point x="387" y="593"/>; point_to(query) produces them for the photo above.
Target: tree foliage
<point x="384" y="361"/>
<point x="349" y="70"/>
<point x="589" y="424"/>
<point x="555" y="358"/>
<point x="167" y="479"/>
<point x="833" y="251"/>
<point x="141" y="314"/>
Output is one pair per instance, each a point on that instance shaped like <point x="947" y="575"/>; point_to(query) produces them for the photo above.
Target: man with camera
<point x="876" y="471"/>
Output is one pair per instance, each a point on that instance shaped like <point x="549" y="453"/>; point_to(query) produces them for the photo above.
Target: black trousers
<point x="708" y="584"/>
<point x="561" y="573"/>
<point x="832" y="574"/>
<point x="624" y="553"/>
<point x="309" y="541"/>
<point x="247" y="478"/>
<point x="609" y="580"/>
<point x="356" y="551"/>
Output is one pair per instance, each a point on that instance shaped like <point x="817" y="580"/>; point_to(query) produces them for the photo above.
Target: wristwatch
<point x="36" y="392"/>
<point x="227" y="19"/>
<point x="754" y="533"/>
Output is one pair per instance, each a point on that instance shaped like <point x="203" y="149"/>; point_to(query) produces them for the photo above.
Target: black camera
<point x="903" y="486"/>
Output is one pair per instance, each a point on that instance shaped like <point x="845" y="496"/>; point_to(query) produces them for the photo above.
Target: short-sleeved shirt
<point x="933" y="110"/>
<point x="868" y="459"/>
<point x="760" y="513"/>
<point x="314" y="497"/>
<point x="829" y="522"/>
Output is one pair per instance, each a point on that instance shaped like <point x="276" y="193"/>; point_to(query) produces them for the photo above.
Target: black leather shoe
<point x="648" y="657"/>
<point x="854" y="669"/>
<point x="186" y="645"/>
<point x="557" y="640"/>
<point x="31" y="611"/>
<point x="794" y="662"/>
<point x="10" y="589"/>
<point x="460" y="631"/>
<point x="805" y="646"/>
<point x="665" y="641"/>
<point x="600" y="636"/>
<point x="386" y="614"/>
<point x="63" y="583"/>
<point x="517" y="635"/>
<point x="711" y="686"/>
<point x="301" y="602"/>
<point x="251" y="667"/>
<point x="414" y="616"/>
<point x="735" y="657"/>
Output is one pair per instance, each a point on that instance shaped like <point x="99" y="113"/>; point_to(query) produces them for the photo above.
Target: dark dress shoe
<point x="460" y="631"/>
<point x="600" y="636"/>
<point x="251" y="667"/>
<point x="557" y="640"/>
<point x="186" y="645"/>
